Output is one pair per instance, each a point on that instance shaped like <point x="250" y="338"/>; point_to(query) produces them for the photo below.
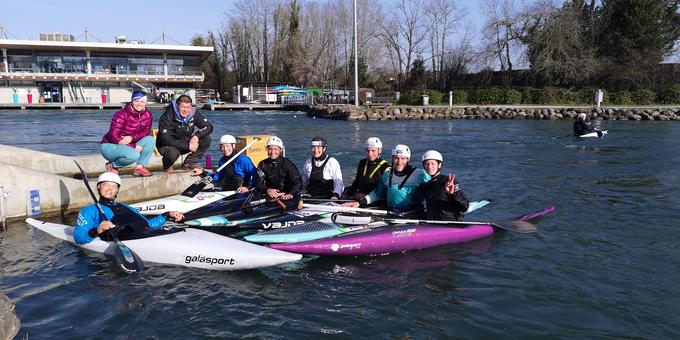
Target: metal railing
<point x="118" y="73"/>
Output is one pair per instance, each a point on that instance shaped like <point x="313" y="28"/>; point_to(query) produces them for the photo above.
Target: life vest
<point x="318" y="187"/>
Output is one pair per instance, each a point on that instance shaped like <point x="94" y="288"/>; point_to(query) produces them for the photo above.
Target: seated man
<point x="400" y="187"/>
<point x="443" y="197"/>
<point x="92" y="224"/>
<point x="239" y="175"/>
<point x="181" y="130"/>
<point x="277" y="176"/>
<point x="321" y="174"/>
<point x="582" y="126"/>
<point x="369" y="171"/>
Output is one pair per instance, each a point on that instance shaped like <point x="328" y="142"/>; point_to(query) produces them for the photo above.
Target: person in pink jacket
<point x="128" y="140"/>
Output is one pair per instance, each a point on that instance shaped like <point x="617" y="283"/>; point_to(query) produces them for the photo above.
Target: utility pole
<point x="356" y="60"/>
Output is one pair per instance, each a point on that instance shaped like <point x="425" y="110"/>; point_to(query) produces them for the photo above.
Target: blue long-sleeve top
<point x="243" y="167"/>
<point x="402" y="193"/>
<point x="90" y="218"/>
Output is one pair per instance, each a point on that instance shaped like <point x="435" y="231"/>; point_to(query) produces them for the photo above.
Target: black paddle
<point x="128" y="261"/>
<point x="518" y="226"/>
<point x="206" y="179"/>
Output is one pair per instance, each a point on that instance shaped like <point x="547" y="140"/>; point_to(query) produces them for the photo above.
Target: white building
<point x="88" y="72"/>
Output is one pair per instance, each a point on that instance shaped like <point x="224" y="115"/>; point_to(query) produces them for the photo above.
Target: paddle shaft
<point x="199" y="184"/>
<point x="118" y="251"/>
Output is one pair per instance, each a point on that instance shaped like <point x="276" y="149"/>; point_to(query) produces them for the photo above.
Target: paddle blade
<point x="128" y="261"/>
<point x="517" y="226"/>
<point x="196" y="187"/>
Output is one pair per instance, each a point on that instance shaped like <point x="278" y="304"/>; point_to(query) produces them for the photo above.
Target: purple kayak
<point x="397" y="239"/>
<point x="386" y="240"/>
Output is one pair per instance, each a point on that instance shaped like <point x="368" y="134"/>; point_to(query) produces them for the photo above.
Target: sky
<point x="137" y="20"/>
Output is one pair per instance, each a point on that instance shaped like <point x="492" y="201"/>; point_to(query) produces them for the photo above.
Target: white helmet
<point x="108" y="177"/>
<point x="227" y="139"/>
<point x="434" y="155"/>
<point x="582" y="116"/>
<point x="276" y="141"/>
<point x="373" y="142"/>
<point x="401" y="150"/>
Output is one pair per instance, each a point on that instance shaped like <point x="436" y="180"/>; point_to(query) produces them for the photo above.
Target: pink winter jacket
<point x="128" y="122"/>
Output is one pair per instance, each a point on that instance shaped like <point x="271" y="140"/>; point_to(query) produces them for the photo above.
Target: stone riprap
<point x="350" y="112"/>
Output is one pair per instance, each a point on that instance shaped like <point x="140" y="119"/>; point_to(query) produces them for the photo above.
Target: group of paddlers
<point x="405" y="189"/>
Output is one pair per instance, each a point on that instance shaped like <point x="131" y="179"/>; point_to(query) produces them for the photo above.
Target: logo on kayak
<point x="277" y="225"/>
<point x="208" y="260"/>
<point x="406" y="232"/>
<point x="336" y="247"/>
<point x="151" y="207"/>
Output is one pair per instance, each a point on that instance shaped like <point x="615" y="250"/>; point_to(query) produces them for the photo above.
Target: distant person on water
<point x="277" y="176"/>
<point x="239" y="175"/>
<point x="182" y="130"/>
<point x="400" y="186"/>
<point x="321" y="174"/>
<point x="444" y="199"/>
<point x="369" y="171"/>
<point x="128" y="140"/>
<point x="91" y="224"/>
<point x="582" y="126"/>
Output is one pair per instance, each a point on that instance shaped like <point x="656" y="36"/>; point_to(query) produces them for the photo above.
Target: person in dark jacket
<point x="278" y="177"/>
<point x="182" y="130"/>
<point x="128" y="139"/>
<point x="369" y="171"/>
<point x="583" y="126"/>
<point x="444" y="198"/>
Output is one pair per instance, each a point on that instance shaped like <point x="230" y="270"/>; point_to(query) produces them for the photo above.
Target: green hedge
<point x="671" y="96"/>
<point x="545" y="96"/>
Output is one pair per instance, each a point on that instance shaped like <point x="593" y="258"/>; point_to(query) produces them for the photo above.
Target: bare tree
<point x="403" y="35"/>
<point x="442" y="18"/>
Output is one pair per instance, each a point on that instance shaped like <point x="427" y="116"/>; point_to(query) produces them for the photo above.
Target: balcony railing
<point x="52" y="72"/>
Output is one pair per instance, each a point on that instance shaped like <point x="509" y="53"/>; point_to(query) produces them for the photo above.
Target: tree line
<point x="418" y="44"/>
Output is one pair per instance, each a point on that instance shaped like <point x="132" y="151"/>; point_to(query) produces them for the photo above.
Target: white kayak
<point x="189" y="248"/>
<point x="594" y="134"/>
<point x="180" y="203"/>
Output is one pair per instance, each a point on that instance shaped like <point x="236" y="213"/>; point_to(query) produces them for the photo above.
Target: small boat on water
<point x="396" y="238"/>
<point x="594" y="134"/>
<point x="182" y="247"/>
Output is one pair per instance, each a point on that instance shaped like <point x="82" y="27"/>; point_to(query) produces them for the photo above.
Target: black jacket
<point x="280" y="174"/>
<point x="441" y="205"/>
<point x="368" y="176"/>
<point x="172" y="131"/>
<point x="581" y="127"/>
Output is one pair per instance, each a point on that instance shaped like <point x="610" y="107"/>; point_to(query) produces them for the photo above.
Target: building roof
<point x="105" y="47"/>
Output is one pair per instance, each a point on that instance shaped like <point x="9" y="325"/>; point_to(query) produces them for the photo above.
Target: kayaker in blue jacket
<point x="444" y="198"/>
<point x="240" y="175"/>
<point x="400" y="185"/>
<point x="91" y="224"/>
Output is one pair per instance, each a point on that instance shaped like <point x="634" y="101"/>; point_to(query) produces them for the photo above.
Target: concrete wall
<point x="52" y="175"/>
<point x="7" y="91"/>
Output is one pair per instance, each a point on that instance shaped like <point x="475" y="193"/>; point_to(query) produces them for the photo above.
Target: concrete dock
<point x="60" y="192"/>
<point x="244" y="106"/>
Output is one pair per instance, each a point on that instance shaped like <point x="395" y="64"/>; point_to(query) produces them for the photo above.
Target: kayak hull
<point x="180" y="203"/>
<point x="594" y="134"/>
<point x="323" y="228"/>
<point x="190" y="248"/>
<point x="388" y="240"/>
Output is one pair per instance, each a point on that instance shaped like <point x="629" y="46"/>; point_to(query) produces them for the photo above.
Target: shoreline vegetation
<point x="519" y="112"/>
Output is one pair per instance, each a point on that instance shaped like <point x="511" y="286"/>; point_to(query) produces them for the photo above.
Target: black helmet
<point x="319" y="141"/>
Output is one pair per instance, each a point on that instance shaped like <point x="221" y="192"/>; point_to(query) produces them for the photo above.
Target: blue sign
<point x="33" y="206"/>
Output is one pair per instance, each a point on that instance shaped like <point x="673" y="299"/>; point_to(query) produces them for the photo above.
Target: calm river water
<point x="605" y="264"/>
